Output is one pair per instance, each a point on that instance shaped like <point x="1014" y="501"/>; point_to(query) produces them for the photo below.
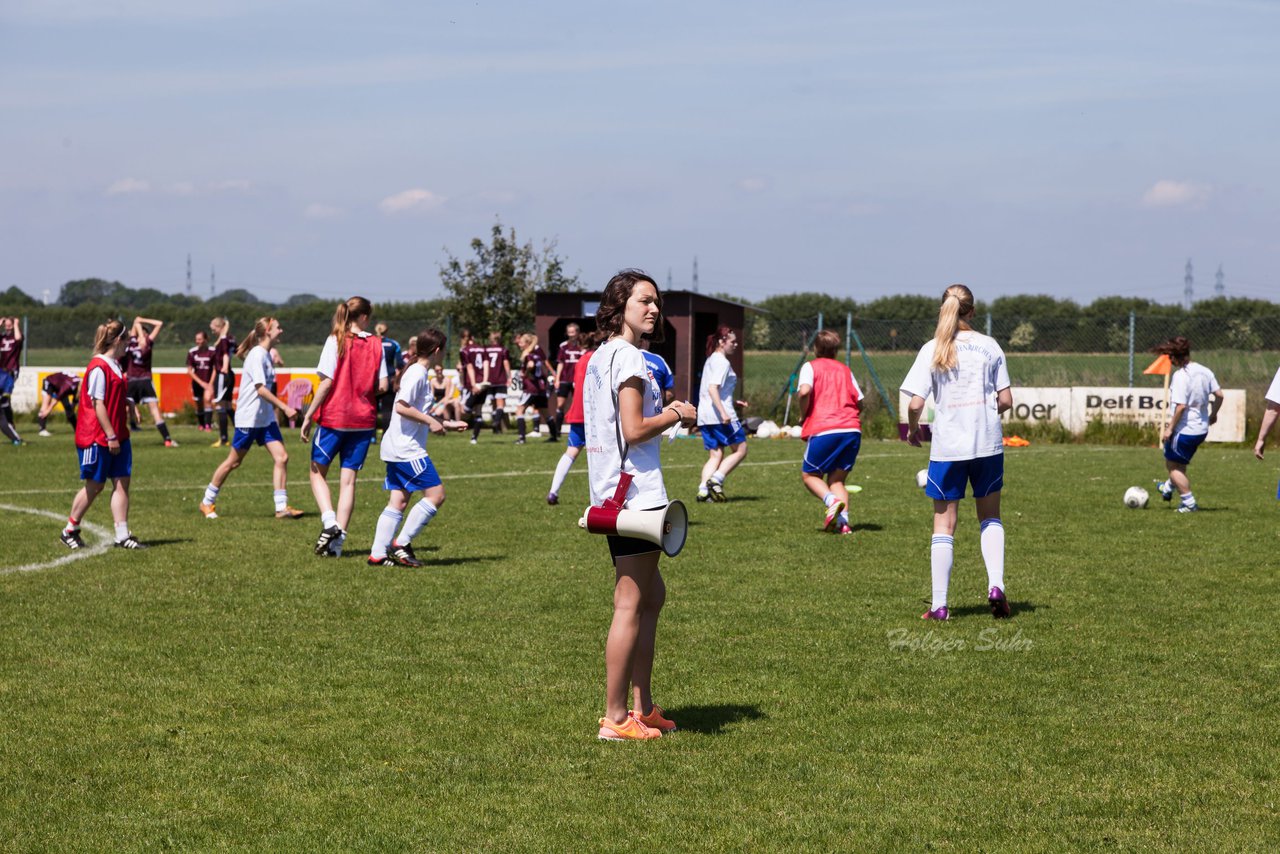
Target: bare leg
<point x="714" y="456"/>
<point x="346" y="496"/>
<point x="642" y="663"/>
<point x="120" y="501"/>
<point x="737" y="453"/>
<point x="320" y="487"/>
<point x="1178" y="476"/>
<point x="280" y="471"/>
<point x="230" y="464"/>
<point x="633" y="576"/>
<point x="84" y="498"/>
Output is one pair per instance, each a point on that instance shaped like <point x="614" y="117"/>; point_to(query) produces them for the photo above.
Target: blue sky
<point x="855" y="148"/>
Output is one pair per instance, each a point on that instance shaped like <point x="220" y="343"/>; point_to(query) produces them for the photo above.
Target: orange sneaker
<point x="210" y="511"/>
<point x="656" y="720"/>
<point x="629" y="730"/>
<point x="289" y="513"/>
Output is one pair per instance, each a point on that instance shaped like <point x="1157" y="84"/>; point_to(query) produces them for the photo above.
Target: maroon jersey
<point x="474" y="356"/>
<point x="533" y="371"/>
<point x="138" y="358"/>
<point x="568" y="355"/>
<point x="200" y="361"/>
<point x="10" y="352"/>
<point x="60" y="385"/>
<point x="226" y="346"/>
<point x="497" y="358"/>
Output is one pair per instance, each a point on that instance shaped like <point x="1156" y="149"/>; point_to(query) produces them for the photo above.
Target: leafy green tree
<point x="496" y="288"/>
<point x="98" y="291"/>
<point x="15" y="297"/>
<point x="239" y="295"/>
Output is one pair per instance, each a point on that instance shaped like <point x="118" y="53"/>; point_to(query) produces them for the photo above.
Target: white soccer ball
<point x="922" y="478"/>
<point x="1135" y="498"/>
<point x="767" y="430"/>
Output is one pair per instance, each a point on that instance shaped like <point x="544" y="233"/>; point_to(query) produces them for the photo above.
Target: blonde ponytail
<point x="957" y="304"/>
<point x="254" y="338"/>
<point x="342" y="317"/>
<point x="106" y="336"/>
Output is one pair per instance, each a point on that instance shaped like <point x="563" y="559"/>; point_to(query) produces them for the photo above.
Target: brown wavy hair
<point x="613" y="302"/>
<point x="108" y="334"/>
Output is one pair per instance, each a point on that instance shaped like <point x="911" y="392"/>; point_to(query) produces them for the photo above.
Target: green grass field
<point x="227" y="689"/>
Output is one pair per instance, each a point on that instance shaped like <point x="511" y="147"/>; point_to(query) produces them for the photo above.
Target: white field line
<point x="103" y="541"/>
<point x="198" y="488"/>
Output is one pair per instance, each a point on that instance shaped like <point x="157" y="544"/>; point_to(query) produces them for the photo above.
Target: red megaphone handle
<point x="620" y="494"/>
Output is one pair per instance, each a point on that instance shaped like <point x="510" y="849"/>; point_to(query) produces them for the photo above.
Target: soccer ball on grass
<point x="1135" y="498"/>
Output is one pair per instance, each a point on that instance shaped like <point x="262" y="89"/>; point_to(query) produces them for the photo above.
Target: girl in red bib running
<point x="102" y="438"/>
<point x="352" y="375"/>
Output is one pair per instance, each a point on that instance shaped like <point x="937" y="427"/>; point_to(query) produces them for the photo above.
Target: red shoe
<point x="656" y="720"/>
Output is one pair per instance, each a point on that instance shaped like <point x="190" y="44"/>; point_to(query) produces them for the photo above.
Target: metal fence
<point x="1042" y="351"/>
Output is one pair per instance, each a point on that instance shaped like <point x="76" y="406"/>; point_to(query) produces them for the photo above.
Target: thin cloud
<point x="231" y="185"/>
<point x="753" y="185"/>
<point x="319" y="211"/>
<point x="411" y="201"/>
<point x="1175" y="194"/>
<point x="129" y="185"/>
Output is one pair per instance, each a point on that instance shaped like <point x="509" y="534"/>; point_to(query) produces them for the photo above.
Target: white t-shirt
<point x="329" y="359"/>
<point x="251" y="410"/>
<point x="717" y="371"/>
<point x="1273" y="393"/>
<point x="966" y="422"/>
<point x="1192" y="385"/>
<point x="613" y="364"/>
<point x="96" y="383"/>
<point x="405" y="439"/>
<point x="806" y="378"/>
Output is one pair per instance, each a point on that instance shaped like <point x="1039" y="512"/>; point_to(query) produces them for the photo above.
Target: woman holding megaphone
<point x="624" y="420"/>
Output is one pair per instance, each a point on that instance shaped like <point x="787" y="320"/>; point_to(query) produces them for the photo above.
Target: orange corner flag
<point x="1159" y="366"/>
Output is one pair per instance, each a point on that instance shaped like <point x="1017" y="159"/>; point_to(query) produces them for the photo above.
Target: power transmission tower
<point x="1188" y="289"/>
<point x="695" y="274"/>
<point x="1220" y="283"/>
<point x="668" y="278"/>
<point x="188" y="274"/>
<point x="213" y="281"/>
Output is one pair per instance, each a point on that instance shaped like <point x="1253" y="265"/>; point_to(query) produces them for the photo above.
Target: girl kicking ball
<point x="965" y="372"/>
<point x="256" y="420"/>
<point x="353" y="373"/>
<point x="409" y="468"/>
<point x="102" y="438"/>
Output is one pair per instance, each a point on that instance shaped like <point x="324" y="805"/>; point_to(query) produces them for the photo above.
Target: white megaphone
<point x="667" y="527"/>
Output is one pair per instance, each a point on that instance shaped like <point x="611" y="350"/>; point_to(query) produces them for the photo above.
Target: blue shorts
<point x="100" y="465"/>
<point x="1181" y="448"/>
<point x="351" y="445"/>
<point x="577" y="436"/>
<point x="832" y="452"/>
<point x="947" y="479"/>
<point x="244" y="439"/>
<point x="722" y="435"/>
<point x="6" y="383"/>
<point x="413" y="476"/>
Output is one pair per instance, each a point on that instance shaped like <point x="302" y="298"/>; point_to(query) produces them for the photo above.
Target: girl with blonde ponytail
<point x="353" y="373"/>
<point x="965" y="373"/>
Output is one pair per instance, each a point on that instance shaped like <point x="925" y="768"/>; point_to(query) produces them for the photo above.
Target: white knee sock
<point x="992" y="539"/>
<point x="210" y="494"/>
<point x="562" y="471"/>
<point x="941" y="554"/>
<point x="419" y="515"/>
<point x="281" y="497"/>
<point x="385" y="532"/>
<point x="329" y="519"/>
<point x="122" y="531"/>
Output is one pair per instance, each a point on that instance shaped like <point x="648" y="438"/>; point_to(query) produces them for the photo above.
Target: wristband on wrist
<point x="111" y="438"/>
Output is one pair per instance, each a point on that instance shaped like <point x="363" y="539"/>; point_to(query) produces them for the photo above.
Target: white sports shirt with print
<point x="1273" y="393"/>
<point x="966" y="422"/>
<point x="406" y="440"/>
<point x="613" y="364"/>
<point x="1192" y="385"/>
<point x="251" y="410"/>
<point x="716" y="371"/>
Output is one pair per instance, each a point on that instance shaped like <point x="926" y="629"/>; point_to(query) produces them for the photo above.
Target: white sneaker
<point x="44" y="433"/>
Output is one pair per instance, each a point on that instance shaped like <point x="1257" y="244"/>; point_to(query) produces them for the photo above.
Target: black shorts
<point x="197" y="394"/>
<point x="223" y="386"/>
<point x="564" y="390"/>
<point x="141" y="391"/>
<point x="474" y="400"/>
<point x="537" y="401"/>
<point x="628" y="546"/>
